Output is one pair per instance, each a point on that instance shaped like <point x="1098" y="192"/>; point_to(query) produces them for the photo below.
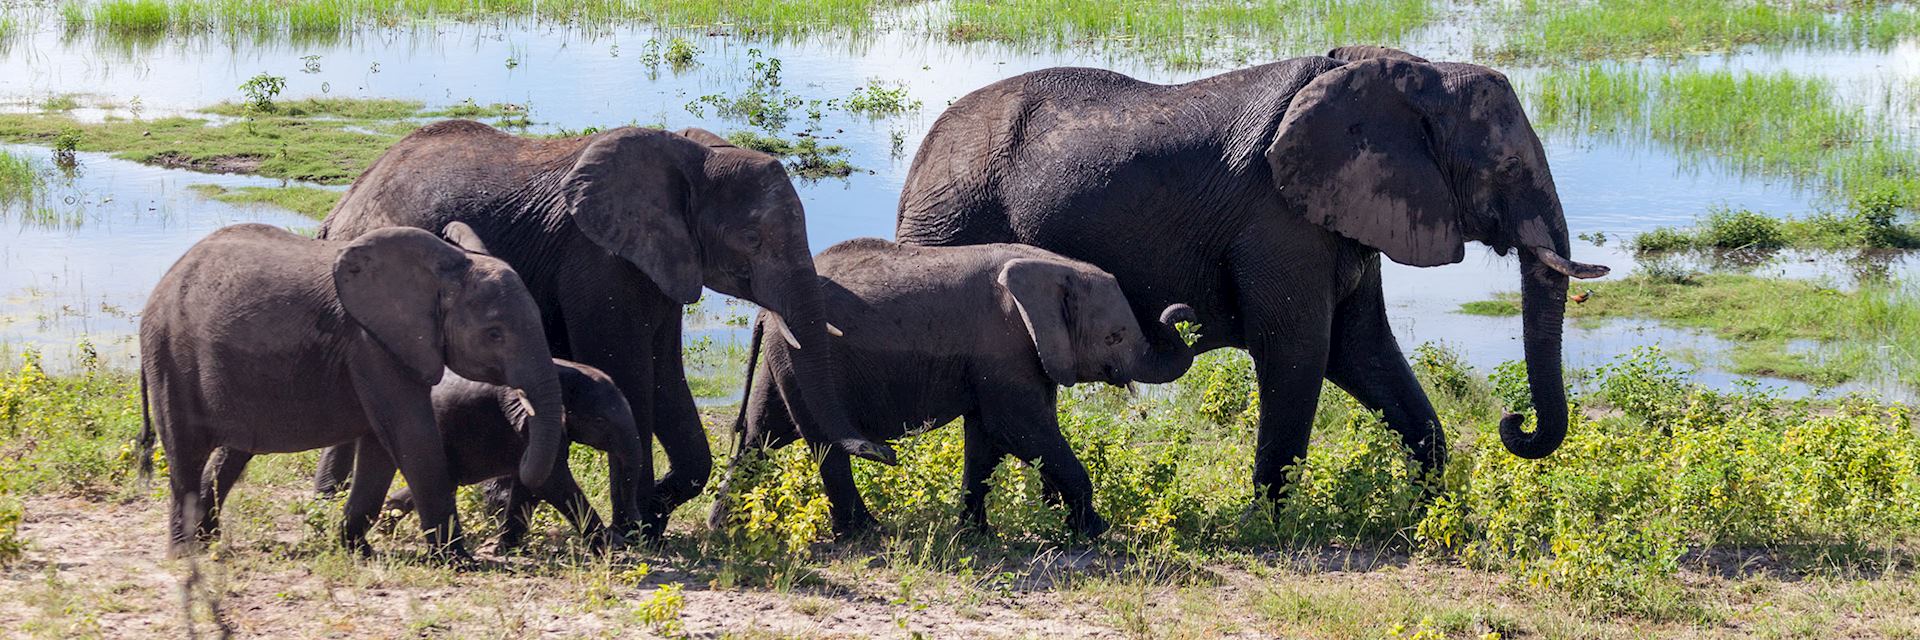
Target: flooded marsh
<point x="1741" y="463"/>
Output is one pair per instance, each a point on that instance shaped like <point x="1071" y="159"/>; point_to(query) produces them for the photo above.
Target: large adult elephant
<point x="1264" y="198"/>
<point x="613" y="233"/>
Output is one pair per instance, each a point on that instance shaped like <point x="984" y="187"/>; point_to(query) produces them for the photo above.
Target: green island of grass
<point x="1855" y="331"/>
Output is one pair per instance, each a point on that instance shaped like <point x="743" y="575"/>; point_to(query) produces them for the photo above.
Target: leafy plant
<point x="261" y="90"/>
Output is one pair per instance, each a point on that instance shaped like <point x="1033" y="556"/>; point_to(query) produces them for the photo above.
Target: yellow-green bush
<point x="66" y="432"/>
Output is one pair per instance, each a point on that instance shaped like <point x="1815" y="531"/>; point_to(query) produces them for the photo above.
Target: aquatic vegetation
<point x="20" y="180"/>
<point x="61" y="102"/>
<point x="1184" y="33"/>
<point x="260" y="91"/>
<point x="806" y="156"/>
<point x="1874" y="226"/>
<point x="323" y="151"/>
<point x="1613" y="28"/>
<point x="325" y="18"/>
<point x="1777" y="124"/>
<point x="311" y="202"/>
<point x="1872" y="329"/>
<point x="1491" y="308"/>
<point x="877" y="99"/>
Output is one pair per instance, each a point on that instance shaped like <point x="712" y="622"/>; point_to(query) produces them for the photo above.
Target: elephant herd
<point x="477" y="301"/>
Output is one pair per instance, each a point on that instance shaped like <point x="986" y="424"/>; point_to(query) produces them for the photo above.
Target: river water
<point x="121" y="224"/>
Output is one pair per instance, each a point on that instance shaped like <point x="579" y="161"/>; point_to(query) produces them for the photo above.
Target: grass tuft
<point x="307" y="201"/>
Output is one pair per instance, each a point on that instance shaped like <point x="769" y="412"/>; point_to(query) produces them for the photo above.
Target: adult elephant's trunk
<point x="1168" y="357"/>
<point x="802" y="322"/>
<point x="541" y="413"/>
<point x="1543" y="304"/>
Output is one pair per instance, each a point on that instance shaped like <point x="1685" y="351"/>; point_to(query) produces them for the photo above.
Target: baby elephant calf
<point x="985" y="333"/>
<point x="482" y="425"/>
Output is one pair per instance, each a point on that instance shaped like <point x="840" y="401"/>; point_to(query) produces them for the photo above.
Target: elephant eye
<point x="752" y="238"/>
<point x="1510" y="167"/>
<point x="496" y="335"/>
<point x="1115" y="338"/>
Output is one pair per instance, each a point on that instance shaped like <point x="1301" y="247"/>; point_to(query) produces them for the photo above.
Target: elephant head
<point x="689" y="210"/>
<point x="435" y="306"/>
<point x="597" y="415"/>
<point x="1413" y="159"/>
<point x="1081" y="325"/>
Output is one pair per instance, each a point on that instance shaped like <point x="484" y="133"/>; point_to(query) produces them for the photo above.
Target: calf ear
<point x="1041" y="294"/>
<point x="393" y="282"/>
<point x="464" y="237"/>
<point x="1358" y="52"/>
<point x="632" y="192"/>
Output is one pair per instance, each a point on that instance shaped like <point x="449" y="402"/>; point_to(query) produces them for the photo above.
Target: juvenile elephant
<point x="613" y="233"/>
<point x="1264" y="198"/>
<point x="935" y="333"/>
<point x="482" y="428"/>
<point x="262" y="341"/>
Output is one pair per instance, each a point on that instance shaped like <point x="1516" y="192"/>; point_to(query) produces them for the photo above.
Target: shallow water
<point x="63" y="283"/>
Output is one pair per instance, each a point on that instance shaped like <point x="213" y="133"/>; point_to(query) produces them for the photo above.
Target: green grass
<point x="20" y="179"/>
<point x="344" y="108"/>
<point x="1873" y="227"/>
<point x="1779" y="124"/>
<point x="1491" y="308"/>
<point x="806" y="156"/>
<point x="1183" y="32"/>
<point x="62" y="102"/>
<point x="323" y="151"/>
<point x="1860" y="332"/>
<point x="1616" y="28"/>
<point x="1654" y="468"/>
<point x="331" y="18"/>
<point x="307" y="201"/>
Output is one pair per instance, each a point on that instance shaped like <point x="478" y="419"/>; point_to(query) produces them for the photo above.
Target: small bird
<point x="1582" y="296"/>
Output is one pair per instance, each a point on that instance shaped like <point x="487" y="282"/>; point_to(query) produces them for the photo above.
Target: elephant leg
<point x="768" y="426"/>
<point x="982" y="457"/>
<point x="1366" y="361"/>
<point x="223" y="469"/>
<point x="1288" y="327"/>
<point x="513" y="504"/>
<point x="185" y="462"/>
<point x="677" y="425"/>
<point x="336" y="464"/>
<point x="564" y="494"/>
<point x="373" y="472"/>
<point x="850" y="514"/>
<point x="1030" y="430"/>
<point x="613" y="329"/>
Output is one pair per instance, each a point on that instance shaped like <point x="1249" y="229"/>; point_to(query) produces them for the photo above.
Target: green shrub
<point x="68" y="432"/>
<point x="1661" y="240"/>
<point x="1741" y="229"/>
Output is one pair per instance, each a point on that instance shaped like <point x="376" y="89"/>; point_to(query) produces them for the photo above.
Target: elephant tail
<point x="143" y="444"/>
<point x="746" y="390"/>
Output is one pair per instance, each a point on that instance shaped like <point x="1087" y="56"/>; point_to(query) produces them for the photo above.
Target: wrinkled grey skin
<point x="613" y="233"/>
<point x="985" y="333"/>
<point x="481" y="428"/>
<point x="261" y="341"/>
<point x="1264" y="198"/>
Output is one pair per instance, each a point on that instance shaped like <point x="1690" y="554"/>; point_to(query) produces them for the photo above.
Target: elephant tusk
<point x="786" y="333"/>
<point x="1569" y="268"/>
<point x="834" y="331"/>
<point x="520" y="398"/>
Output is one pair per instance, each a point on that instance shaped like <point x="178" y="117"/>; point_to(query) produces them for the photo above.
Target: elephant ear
<point x="1356" y="153"/>
<point x="631" y="192"/>
<point x="1359" y="52"/>
<point x="392" y="282"/>
<point x="1041" y="293"/>
<point x="705" y="137"/>
<point x="464" y="237"/>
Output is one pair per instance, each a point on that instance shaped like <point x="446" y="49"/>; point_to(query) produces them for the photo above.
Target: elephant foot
<point x="1091" y="526"/>
<point x="454" y="555"/>
<point x="653" y="528"/>
<point x="856" y="525"/>
<point x="357" y="545"/>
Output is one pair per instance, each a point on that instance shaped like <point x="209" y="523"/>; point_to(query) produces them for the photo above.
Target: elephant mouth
<point x="1114" y="377"/>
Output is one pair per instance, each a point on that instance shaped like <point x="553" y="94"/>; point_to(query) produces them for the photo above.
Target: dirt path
<point x="98" y="568"/>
